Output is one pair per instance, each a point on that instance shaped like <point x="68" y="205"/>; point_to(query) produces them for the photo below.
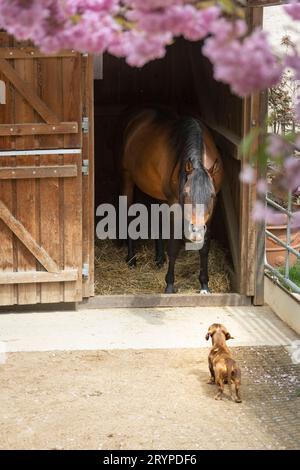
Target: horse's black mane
<point x="186" y="138"/>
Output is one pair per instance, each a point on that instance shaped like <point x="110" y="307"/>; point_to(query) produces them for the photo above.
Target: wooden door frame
<point x="252" y="234"/>
<point x="88" y="177"/>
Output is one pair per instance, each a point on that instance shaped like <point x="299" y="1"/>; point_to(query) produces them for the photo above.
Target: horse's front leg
<point x="203" y="276"/>
<point x="159" y="253"/>
<point x="160" y="257"/>
<point x="173" y="249"/>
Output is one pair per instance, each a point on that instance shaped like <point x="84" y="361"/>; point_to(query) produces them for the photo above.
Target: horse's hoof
<point x="131" y="261"/>
<point x="170" y="289"/>
<point x="238" y="400"/>
<point x="210" y="382"/>
<point x="204" y="291"/>
<point x="217" y="397"/>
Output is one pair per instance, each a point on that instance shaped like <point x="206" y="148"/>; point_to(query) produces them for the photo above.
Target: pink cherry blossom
<point x="291" y="176"/>
<point x="245" y="64"/>
<point x="293" y="9"/>
<point x="261" y="186"/>
<point x="23" y="18"/>
<point x="183" y="20"/>
<point x="262" y="213"/>
<point x="140" y="30"/>
<point x="148" y="5"/>
<point x="278" y="146"/>
<point x="248" y="174"/>
<point x="138" y="47"/>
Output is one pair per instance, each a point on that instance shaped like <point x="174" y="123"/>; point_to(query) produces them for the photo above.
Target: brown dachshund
<point x="222" y="366"/>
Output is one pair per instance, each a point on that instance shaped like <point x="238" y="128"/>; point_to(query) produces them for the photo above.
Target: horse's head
<point x="197" y="196"/>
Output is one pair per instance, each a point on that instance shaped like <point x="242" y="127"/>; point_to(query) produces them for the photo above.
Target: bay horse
<point x="172" y="159"/>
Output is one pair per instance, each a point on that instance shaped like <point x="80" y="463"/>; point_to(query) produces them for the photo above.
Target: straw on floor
<point x="113" y="276"/>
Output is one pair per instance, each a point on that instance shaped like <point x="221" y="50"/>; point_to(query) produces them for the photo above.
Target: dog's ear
<point x="210" y="332"/>
<point x="228" y="336"/>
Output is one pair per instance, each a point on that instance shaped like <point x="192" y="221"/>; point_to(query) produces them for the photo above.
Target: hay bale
<point x="114" y="276"/>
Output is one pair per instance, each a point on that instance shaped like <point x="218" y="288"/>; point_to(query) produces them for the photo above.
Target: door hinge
<point x="85" y="270"/>
<point x="85" y="125"/>
<point x="85" y="167"/>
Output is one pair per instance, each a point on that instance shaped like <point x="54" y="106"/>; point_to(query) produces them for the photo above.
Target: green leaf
<point x="227" y="5"/>
<point x="231" y="8"/>
<point x="262" y="156"/>
<point x="205" y="4"/>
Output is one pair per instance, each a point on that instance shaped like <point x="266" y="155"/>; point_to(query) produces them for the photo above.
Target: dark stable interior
<point x="181" y="81"/>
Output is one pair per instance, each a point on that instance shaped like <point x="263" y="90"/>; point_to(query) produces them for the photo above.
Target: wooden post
<point x="252" y="234"/>
<point x="260" y="227"/>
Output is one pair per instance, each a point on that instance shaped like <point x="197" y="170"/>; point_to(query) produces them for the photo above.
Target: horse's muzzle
<point x="196" y="233"/>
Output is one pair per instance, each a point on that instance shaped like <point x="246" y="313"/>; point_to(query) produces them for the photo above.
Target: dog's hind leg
<point x="229" y="377"/>
<point x="220" y="384"/>
<point x="212" y="373"/>
<point x="237" y="384"/>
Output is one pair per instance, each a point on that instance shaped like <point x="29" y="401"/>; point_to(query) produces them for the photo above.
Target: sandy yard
<point x="146" y="399"/>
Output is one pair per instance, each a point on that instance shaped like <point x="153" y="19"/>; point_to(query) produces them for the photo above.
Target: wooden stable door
<point x="43" y="164"/>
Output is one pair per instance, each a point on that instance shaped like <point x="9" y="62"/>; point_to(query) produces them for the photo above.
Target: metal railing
<point x="284" y="277"/>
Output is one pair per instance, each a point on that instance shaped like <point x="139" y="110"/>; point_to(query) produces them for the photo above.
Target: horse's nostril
<point x="198" y="228"/>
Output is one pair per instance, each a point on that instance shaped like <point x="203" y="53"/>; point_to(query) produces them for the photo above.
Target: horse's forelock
<point x="202" y="188"/>
<point x="187" y="141"/>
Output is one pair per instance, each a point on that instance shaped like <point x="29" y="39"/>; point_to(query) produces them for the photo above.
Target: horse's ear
<point x="188" y="166"/>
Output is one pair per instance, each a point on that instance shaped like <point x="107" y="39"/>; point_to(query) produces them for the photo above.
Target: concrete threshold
<point x="139" y="328"/>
